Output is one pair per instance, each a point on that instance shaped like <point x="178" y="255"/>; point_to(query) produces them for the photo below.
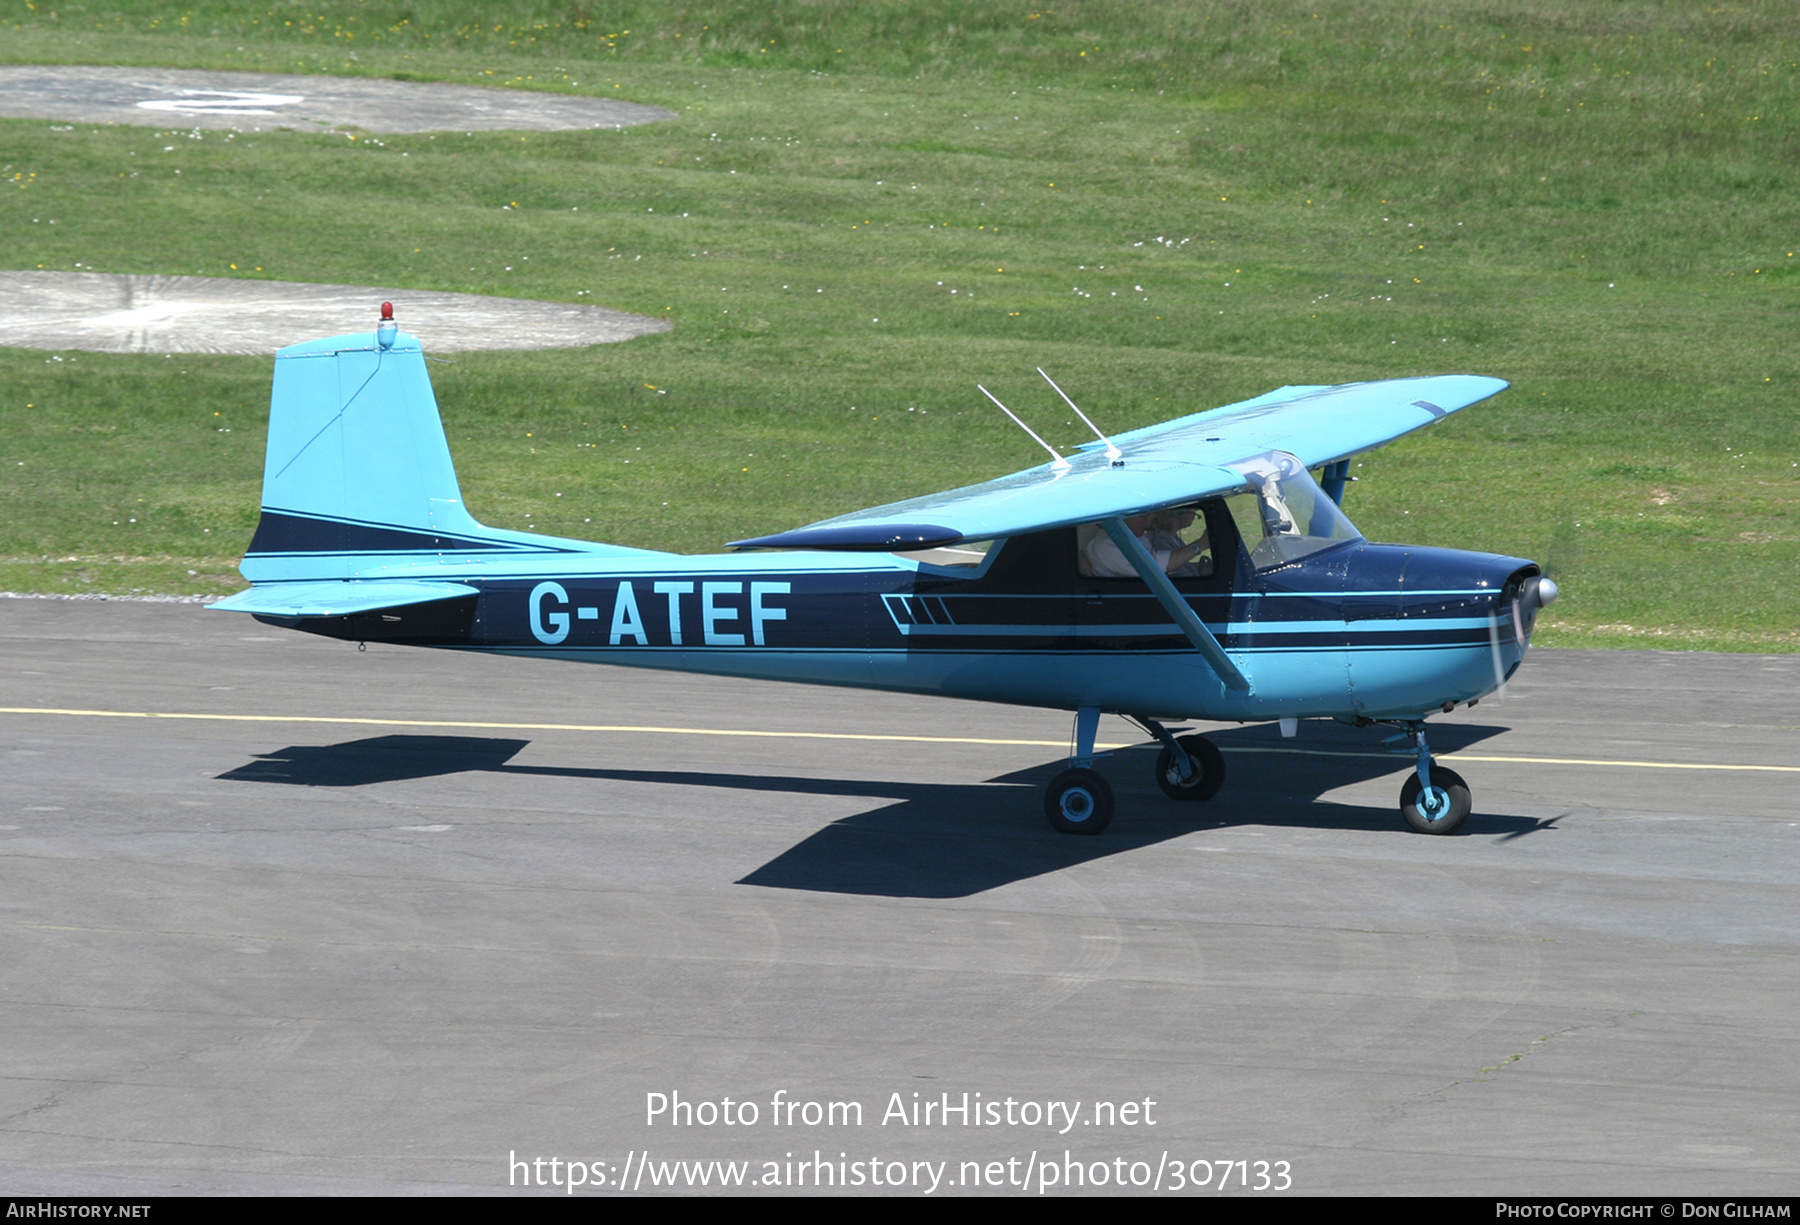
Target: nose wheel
<point x="1438" y="809"/>
<point x="1434" y="799"/>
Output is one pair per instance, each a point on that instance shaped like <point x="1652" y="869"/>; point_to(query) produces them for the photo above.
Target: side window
<point x="1174" y="530"/>
<point x="1091" y="546"/>
<point x="1169" y="535"/>
<point x="1248" y="518"/>
<point x="962" y="559"/>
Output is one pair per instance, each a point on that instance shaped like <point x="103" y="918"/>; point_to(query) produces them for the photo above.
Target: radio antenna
<point x="1056" y="461"/>
<point x="1112" y="452"/>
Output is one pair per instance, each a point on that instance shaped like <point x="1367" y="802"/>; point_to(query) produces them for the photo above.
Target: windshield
<point x="1285" y="515"/>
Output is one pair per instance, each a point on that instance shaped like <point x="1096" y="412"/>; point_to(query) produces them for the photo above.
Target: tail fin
<point x="357" y="460"/>
<point x="358" y="483"/>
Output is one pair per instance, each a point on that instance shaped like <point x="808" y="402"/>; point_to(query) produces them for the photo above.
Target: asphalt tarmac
<point x="408" y="922"/>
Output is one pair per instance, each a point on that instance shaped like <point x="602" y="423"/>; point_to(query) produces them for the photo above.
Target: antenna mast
<point x="1112" y="452"/>
<point x="1056" y="461"/>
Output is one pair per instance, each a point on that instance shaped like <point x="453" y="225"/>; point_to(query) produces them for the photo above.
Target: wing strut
<point x="1173" y="604"/>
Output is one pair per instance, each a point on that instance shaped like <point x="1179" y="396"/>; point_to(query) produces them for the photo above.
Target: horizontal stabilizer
<point x="335" y="599"/>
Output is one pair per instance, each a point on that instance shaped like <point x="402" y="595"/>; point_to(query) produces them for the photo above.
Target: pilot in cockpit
<point x="1159" y="533"/>
<point x="1165" y="531"/>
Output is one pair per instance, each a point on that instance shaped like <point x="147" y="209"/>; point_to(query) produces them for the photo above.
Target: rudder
<point x="357" y="459"/>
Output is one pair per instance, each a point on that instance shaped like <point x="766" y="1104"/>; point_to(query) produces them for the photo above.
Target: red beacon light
<point x="388" y="329"/>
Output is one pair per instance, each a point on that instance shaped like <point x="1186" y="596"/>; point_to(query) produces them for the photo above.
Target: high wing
<point x="1159" y="465"/>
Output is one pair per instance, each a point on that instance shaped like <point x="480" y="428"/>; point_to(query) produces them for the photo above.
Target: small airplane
<point x="1049" y="587"/>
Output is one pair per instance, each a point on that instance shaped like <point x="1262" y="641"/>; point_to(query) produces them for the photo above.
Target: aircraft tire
<point x="1460" y="802"/>
<point x="1078" y="802"/>
<point x="1206" y="756"/>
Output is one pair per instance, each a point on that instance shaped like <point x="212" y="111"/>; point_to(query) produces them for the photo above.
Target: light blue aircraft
<point x="1048" y="587"/>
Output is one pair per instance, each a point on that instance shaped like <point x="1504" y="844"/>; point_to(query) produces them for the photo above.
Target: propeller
<point x="1540" y="591"/>
<point x="1536" y="593"/>
<point x="1532" y="596"/>
<point x="1494" y="653"/>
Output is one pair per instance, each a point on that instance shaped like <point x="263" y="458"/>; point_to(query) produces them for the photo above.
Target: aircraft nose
<point x="1534" y="593"/>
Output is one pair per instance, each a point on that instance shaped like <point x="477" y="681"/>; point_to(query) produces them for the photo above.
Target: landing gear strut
<point x="1435" y="800"/>
<point x="1080" y="801"/>
<point x="1191" y="768"/>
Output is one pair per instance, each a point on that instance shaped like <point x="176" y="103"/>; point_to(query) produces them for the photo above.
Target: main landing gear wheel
<point x="1209" y="767"/>
<point x="1078" y="802"/>
<point x="1443" y="810"/>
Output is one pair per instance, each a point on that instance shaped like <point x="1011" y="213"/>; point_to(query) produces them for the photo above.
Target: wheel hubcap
<point x="1077" y="805"/>
<point x="1434" y="803"/>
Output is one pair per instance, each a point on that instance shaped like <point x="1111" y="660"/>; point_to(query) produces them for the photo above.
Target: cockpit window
<point x="1285" y="515"/>
<point x="1176" y="537"/>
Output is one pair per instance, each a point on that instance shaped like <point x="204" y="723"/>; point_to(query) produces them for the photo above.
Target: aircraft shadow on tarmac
<point x="942" y="840"/>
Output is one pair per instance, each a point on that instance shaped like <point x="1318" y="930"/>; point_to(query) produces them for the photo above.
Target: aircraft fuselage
<point x="1359" y="630"/>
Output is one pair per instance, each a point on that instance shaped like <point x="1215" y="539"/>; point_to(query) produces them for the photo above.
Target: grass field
<point x="866" y="208"/>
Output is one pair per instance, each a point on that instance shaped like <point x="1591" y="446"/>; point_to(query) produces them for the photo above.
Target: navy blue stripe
<point x="282" y="532"/>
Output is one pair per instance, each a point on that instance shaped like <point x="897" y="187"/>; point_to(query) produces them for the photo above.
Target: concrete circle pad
<point x="263" y="101"/>
<point x="104" y="312"/>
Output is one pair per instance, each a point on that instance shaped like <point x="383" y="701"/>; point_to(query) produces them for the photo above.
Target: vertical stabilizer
<point x="357" y="460"/>
<point x="354" y="434"/>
